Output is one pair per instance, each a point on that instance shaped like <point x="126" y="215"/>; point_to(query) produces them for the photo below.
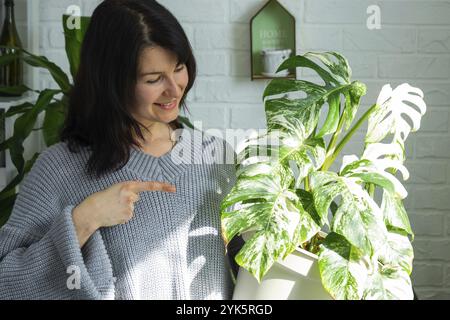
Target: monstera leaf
<point x="273" y="213"/>
<point x="337" y="82"/>
<point x="388" y="114"/>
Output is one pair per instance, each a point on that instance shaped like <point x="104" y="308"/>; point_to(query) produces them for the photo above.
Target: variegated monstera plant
<point x="288" y="197"/>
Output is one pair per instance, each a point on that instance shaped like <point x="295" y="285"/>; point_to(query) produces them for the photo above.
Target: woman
<point x="122" y="208"/>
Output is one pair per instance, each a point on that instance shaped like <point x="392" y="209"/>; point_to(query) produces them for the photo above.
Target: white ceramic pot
<point x="295" y="278"/>
<point x="272" y="59"/>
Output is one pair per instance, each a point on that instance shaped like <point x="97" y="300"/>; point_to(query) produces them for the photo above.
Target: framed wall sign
<point x="272" y="37"/>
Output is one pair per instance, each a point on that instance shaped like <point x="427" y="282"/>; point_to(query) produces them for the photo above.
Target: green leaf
<point x="341" y="268"/>
<point x="337" y="83"/>
<point x="16" y="90"/>
<point x="53" y="122"/>
<point x="394" y="213"/>
<point x="57" y="74"/>
<point x="185" y="121"/>
<point x="357" y="218"/>
<point x="389" y="284"/>
<point x="397" y="251"/>
<point x="74" y="39"/>
<point x="25" y="124"/>
<point x="41" y="62"/>
<point x="332" y="121"/>
<point x="276" y="215"/>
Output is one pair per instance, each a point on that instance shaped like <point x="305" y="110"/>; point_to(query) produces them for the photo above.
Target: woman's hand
<point x="112" y="206"/>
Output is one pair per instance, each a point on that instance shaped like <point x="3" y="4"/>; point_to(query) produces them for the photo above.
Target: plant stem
<point x="371" y="190"/>
<point x="306" y="182"/>
<point x="333" y="141"/>
<point x="330" y="159"/>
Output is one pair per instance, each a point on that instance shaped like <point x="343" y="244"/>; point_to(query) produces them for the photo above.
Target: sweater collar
<point x="187" y="150"/>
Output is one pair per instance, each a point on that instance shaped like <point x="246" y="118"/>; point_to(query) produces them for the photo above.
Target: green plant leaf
<point x="341" y="267"/>
<point x="25" y="124"/>
<point x="57" y="74"/>
<point x="389" y="283"/>
<point x="16" y="90"/>
<point x="337" y="83"/>
<point x="394" y="213"/>
<point x="276" y="216"/>
<point x="53" y="122"/>
<point x="357" y="217"/>
<point x="74" y="39"/>
<point x="397" y="251"/>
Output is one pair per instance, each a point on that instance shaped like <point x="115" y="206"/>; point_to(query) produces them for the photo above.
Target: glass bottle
<point x="12" y="73"/>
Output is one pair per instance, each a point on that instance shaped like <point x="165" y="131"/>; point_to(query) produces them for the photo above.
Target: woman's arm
<point x="40" y="255"/>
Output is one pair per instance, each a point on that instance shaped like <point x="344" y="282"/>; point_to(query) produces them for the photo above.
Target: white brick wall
<point x="413" y="46"/>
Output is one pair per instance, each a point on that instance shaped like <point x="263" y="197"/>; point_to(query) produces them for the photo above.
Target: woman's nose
<point x="173" y="89"/>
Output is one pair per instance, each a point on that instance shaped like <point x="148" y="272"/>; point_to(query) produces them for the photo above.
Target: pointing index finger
<point x="141" y="186"/>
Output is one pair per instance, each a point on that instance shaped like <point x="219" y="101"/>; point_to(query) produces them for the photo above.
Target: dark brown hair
<point x="104" y="88"/>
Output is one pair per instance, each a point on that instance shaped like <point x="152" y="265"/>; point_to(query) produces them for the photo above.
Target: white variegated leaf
<point x="342" y="268"/>
<point x="392" y="106"/>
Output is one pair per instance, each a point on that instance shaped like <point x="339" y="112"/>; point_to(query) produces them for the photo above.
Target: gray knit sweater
<point x="171" y="249"/>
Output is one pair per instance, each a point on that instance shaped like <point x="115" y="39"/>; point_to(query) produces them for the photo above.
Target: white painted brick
<point x="240" y="64"/>
<point x="189" y="31"/>
<point x="415" y="12"/>
<point x="212" y="63"/>
<point x="43" y="37"/>
<point x="425" y="223"/>
<point x="431" y="249"/>
<point x="53" y="10"/>
<point x="56" y="36"/>
<point x="435" y="93"/>
<point x="222" y="37"/>
<point x="244" y="10"/>
<point x="363" y="64"/>
<point x="198" y="10"/>
<point x="419" y="67"/>
<point x="427" y="274"/>
<point x="448" y="224"/>
<point x="320" y="38"/>
<point x="384" y="40"/>
<point x="211" y="115"/>
<point x="434" y="41"/>
<point x="434" y="121"/>
<point x="432" y="198"/>
<point x="240" y="90"/>
<point x="248" y="116"/>
<point x="427" y="172"/>
<point x="88" y="7"/>
<point x="337" y="11"/>
<point x="433" y="147"/>
<point x="447" y="275"/>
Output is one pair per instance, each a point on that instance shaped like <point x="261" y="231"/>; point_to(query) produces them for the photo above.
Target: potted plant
<point x="344" y="233"/>
<point x="52" y="102"/>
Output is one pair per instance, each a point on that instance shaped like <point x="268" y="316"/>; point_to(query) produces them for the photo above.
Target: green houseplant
<point x="51" y="102"/>
<point x="286" y="196"/>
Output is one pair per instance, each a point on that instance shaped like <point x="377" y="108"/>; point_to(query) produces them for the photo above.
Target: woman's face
<point x="160" y="81"/>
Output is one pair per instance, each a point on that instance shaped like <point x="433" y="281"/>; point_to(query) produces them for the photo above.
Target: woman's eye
<point x="154" y="81"/>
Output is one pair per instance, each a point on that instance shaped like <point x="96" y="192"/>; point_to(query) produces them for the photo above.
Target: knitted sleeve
<point x="40" y="257"/>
